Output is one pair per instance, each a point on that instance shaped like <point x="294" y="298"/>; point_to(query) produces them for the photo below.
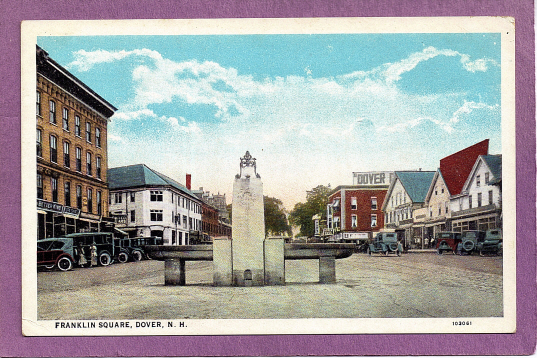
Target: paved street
<point x="413" y="285"/>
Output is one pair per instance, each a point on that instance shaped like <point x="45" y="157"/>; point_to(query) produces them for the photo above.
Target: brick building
<point x="72" y="159"/>
<point x="354" y="211"/>
<point x="214" y="215"/>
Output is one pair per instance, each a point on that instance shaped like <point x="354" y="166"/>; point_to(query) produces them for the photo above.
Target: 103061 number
<point x="462" y="323"/>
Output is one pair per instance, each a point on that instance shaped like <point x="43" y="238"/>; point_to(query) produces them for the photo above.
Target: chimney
<point x="188" y="181"/>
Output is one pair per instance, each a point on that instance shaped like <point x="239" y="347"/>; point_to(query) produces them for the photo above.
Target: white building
<point x="479" y="205"/>
<point x="147" y="203"/>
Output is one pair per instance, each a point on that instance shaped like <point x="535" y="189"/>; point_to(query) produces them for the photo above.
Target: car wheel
<point x="137" y="256"/>
<point x="123" y="257"/>
<point x="439" y="252"/>
<point x="65" y="264"/>
<point x="105" y="259"/>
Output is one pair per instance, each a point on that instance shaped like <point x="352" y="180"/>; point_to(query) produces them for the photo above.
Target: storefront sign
<point x="57" y="208"/>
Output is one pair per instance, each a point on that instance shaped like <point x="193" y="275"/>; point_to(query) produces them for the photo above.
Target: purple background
<point x="12" y="343"/>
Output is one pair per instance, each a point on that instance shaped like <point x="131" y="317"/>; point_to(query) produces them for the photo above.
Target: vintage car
<point x="492" y="244"/>
<point x="385" y="243"/>
<point x="53" y="253"/>
<point x="447" y="241"/>
<point x="135" y="246"/>
<point x="469" y="241"/>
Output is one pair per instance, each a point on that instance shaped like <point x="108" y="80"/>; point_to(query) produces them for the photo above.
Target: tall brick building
<point x="71" y="138"/>
<point x="354" y="211"/>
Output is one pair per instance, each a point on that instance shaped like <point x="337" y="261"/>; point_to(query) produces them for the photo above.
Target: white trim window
<point x="354" y="221"/>
<point x="156" y="195"/>
<point x="374" y="205"/>
<point x="354" y="203"/>
<point x="155" y="215"/>
<point x="373" y="220"/>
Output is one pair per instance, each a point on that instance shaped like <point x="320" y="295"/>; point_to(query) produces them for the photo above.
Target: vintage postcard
<point x="268" y="176"/>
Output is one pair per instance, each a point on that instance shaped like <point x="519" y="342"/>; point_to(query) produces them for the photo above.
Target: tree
<point x="302" y="213"/>
<point x="275" y="217"/>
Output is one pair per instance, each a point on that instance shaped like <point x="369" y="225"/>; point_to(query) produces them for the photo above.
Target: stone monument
<point x="248" y="225"/>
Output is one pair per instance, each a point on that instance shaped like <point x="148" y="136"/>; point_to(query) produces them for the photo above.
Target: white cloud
<point x="114" y="138"/>
<point x="468" y="107"/>
<point x="85" y="60"/>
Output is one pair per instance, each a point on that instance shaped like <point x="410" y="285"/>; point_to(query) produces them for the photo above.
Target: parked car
<point x="53" y="253"/>
<point x="493" y="243"/>
<point x="135" y="247"/>
<point x="385" y="243"/>
<point x="469" y="241"/>
<point x="447" y="241"/>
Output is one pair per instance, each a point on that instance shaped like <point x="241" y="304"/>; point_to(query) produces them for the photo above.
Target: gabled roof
<point x="437" y="175"/>
<point x="416" y="184"/>
<point x="456" y="167"/>
<point x="139" y="175"/>
<point x="494" y="164"/>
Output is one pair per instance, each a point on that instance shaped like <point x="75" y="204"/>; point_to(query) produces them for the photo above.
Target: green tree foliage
<point x="275" y="217"/>
<point x="316" y="201"/>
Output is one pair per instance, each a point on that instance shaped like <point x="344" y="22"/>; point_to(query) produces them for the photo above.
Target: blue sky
<point x="311" y="108"/>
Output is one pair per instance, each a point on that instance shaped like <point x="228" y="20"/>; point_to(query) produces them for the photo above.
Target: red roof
<point x="456" y="167"/>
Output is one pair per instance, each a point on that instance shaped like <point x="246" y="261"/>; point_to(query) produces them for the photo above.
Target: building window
<point x="487" y="178"/>
<point x="39" y="143"/>
<point x="99" y="203"/>
<point x="118" y="198"/>
<point x="133" y="216"/>
<point x="354" y="204"/>
<point x="178" y="219"/>
<point x="354" y="221"/>
<point x="133" y="197"/>
<point x="77" y="126"/>
<point x="184" y="220"/>
<point x="66" y="159"/>
<point x="52" y="112"/>
<point x="65" y="118"/>
<point x="478" y="180"/>
<point x="374" y="205"/>
<point x="67" y="194"/>
<point x="90" y="200"/>
<point x="98" y="137"/>
<point x="78" y="159"/>
<point x="38" y="103"/>
<point x="490" y="197"/>
<point x="447" y="207"/>
<point x="53" y="149"/>
<point x="39" y="186"/>
<point x="88" y="131"/>
<point x="98" y="167"/>
<point x="470" y="202"/>
<point x="88" y="163"/>
<point x="54" y="185"/>
<point x="156" y="215"/>
<point x="478" y="200"/>
<point x="373" y="220"/>
<point x="156" y="195"/>
<point x="442" y="190"/>
<point x="439" y="210"/>
<point x="79" y="197"/>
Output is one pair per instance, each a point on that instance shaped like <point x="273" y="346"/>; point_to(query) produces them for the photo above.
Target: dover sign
<point x="372" y="178"/>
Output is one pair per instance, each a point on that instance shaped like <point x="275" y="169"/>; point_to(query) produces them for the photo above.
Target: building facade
<point x="405" y="196"/>
<point x="213" y="218"/>
<point x="71" y="141"/>
<point x="354" y="212"/>
<point x="144" y="202"/>
<point x="479" y="205"/>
